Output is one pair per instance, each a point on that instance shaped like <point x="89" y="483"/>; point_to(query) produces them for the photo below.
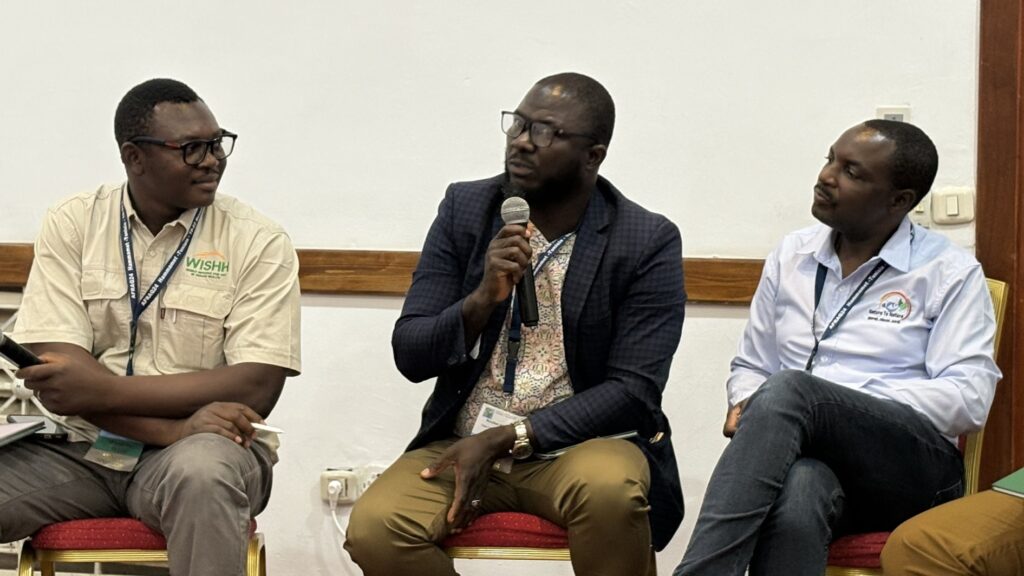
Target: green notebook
<point x="1012" y="484"/>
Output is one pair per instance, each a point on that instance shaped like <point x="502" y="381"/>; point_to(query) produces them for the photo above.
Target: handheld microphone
<point x="16" y="353"/>
<point x="515" y="210"/>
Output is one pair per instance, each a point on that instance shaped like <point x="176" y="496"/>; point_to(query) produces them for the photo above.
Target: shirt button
<point x="151" y="253"/>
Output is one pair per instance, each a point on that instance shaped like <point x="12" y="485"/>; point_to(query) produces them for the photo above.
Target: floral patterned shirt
<point x="542" y="375"/>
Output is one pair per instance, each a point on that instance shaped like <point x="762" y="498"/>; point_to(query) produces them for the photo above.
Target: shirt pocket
<point x="191" y="332"/>
<point x="105" y="295"/>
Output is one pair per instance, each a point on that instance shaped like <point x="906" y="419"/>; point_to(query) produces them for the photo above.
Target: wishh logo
<point x="894" y="307"/>
<point x="210" y="264"/>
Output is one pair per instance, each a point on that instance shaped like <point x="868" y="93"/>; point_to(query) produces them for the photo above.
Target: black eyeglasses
<point x="541" y="133"/>
<point x="193" y="152"/>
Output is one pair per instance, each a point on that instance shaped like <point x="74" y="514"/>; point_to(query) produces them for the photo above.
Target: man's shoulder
<point x="83" y="202"/>
<point x="628" y="212"/>
<point x="936" y="247"/>
<point x="242" y="218"/>
<point x="802" y="241"/>
<point x="475" y="193"/>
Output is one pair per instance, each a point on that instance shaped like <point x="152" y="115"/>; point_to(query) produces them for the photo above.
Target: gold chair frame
<point x="999" y="291"/>
<point x="507" y="553"/>
<point x="256" y="559"/>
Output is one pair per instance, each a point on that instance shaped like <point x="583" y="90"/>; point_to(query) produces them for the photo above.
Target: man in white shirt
<point x="868" y="351"/>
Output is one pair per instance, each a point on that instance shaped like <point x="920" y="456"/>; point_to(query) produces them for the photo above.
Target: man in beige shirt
<point x="167" y="316"/>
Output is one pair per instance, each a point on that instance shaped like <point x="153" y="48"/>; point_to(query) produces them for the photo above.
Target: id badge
<point x="491" y="416"/>
<point x="115" y="452"/>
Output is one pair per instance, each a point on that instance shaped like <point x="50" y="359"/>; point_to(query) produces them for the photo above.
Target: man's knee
<point x="378" y="522"/>
<point x="207" y="465"/>
<point x="368" y="525"/>
<point x="903" y="549"/>
<point x="607" y="477"/>
<point x="784" y="389"/>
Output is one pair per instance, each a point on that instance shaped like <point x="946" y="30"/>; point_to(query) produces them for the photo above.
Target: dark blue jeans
<point x="812" y="460"/>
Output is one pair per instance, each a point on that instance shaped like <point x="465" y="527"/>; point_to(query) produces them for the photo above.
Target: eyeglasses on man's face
<point x="193" y="152"/>
<point x="542" y="134"/>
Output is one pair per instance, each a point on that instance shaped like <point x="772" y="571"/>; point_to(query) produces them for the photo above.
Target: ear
<point x="903" y="201"/>
<point x="595" y="156"/>
<point x="133" y="159"/>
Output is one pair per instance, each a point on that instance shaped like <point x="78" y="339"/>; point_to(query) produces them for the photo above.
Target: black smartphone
<point x="50" y="431"/>
<point x="16" y="353"/>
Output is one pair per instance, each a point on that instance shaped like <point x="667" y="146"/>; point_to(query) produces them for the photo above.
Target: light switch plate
<point x="897" y="112"/>
<point x="922" y="213"/>
<point x="952" y="205"/>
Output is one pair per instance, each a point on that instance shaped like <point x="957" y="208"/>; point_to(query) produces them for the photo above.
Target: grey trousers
<point x="812" y="460"/>
<point x="200" y="492"/>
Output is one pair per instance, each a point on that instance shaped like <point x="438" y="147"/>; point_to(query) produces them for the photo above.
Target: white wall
<point x="354" y="116"/>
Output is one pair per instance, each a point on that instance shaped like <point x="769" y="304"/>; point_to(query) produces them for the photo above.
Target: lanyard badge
<point x="110" y="450"/>
<point x="515" y="327"/>
<point x="830" y="328"/>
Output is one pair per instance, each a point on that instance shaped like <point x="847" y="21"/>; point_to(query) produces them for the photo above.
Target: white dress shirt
<point x="922" y="334"/>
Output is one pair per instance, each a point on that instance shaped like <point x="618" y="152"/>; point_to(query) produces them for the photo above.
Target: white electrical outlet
<point x="349" y="480"/>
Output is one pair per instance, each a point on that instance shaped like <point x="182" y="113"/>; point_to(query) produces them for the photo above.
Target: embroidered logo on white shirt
<point x="893" y="308"/>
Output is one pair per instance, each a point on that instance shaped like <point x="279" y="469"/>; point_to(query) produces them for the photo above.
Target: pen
<point x="266" y="428"/>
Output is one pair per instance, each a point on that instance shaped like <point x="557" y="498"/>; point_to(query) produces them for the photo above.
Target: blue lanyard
<point x="132" y="277"/>
<point x="830" y="328"/>
<point x="515" y="327"/>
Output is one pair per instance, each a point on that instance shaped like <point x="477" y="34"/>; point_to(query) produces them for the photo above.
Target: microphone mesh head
<point x="515" y="210"/>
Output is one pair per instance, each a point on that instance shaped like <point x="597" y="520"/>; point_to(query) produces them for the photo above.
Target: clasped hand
<point x="228" y="419"/>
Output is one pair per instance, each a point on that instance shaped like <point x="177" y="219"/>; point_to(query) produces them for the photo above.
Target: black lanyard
<point x="830" y="328"/>
<point x="132" y="277"/>
<point x="515" y="327"/>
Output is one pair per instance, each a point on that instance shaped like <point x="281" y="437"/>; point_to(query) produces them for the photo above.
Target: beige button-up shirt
<point x="234" y="299"/>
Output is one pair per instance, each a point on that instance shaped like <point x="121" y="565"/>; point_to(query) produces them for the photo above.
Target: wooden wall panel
<point x="15" y="260"/>
<point x="1000" y="246"/>
<point x="708" y="280"/>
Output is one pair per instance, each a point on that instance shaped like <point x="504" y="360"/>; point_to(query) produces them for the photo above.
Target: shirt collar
<point x="896" y="251"/>
<point x="184" y="220"/>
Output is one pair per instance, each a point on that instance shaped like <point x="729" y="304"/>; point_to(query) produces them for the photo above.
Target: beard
<point x="550" y="192"/>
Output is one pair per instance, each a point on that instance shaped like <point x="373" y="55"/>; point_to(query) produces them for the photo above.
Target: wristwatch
<point x="522" y="448"/>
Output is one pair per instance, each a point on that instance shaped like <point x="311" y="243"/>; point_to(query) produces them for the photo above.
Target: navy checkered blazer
<point x="622" y="313"/>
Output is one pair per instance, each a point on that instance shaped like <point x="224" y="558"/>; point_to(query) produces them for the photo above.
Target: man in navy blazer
<point x="508" y="395"/>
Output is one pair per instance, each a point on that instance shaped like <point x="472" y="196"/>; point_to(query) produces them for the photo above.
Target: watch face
<point x="521" y="450"/>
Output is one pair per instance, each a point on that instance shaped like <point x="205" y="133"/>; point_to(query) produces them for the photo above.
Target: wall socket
<point x="349" y="480"/>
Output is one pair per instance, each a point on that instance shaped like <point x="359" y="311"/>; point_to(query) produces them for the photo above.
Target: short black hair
<point x="598" y="108"/>
<point x="136" y="108"/>
<point x="914" y="159"/>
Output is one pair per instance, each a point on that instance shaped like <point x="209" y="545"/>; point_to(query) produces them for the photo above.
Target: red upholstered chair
<point x="859" y="554"/>
<point x="509" y="536"/>
<point x="122" y="540"/>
